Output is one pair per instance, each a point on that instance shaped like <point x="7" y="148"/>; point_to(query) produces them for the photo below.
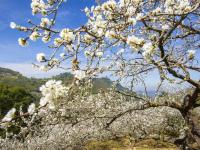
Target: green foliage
<point x="13" y="96"/>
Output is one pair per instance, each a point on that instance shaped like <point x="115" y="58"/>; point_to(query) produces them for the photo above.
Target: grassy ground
<point x="129" y="144"/>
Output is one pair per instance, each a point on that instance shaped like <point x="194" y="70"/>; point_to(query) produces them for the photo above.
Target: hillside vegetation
<point x="16" y="89"/>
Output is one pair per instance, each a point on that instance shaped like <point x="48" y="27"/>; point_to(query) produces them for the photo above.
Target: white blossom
<point x="9" y="116"/>
<point x="22" y="42"/>
<point x="46" y="39"/>
<point x="177" y="6"/>
<point x="41" y="57"/>
<point x="43" y="101"/>
<point x="13" y="25"/>
<point x="54" y="62"/>
<point x="139" y="16"/>
<point x="165" y="27"/>
<point x="87" y="11"/>
<point x="31" y="108"/>
<point x="100" y="32"/>
<point x="87" y="38"/>
<point x="99" y="53"/>
<point x="133" y="21"/>
<point x="109" y="5"/>
<point x="79" y="74"/>
<point x="52" y="91"/>
<point x="38" y="6"/>
<point x="45" y="22"/>
<point x="58" y="41"/>
<point x="34" y="36"/>
<point x="148" y="46"/>
<point x="134" y="42"/>
<point x="148" y="49"/>
<point x="67" y="35"/>
<point x="110" y="34"/>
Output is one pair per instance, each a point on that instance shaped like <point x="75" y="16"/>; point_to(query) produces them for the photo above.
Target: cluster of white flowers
<point x="31" y="108"/>
<point x="165" y="27"/>
<point x="51" y="2"/>
<point x="99" y="26"/>
<point x="52" y="92"/>
<point x="132" y="21"/>
<point x="58" y="41"/>
<point x="22" y="42"/>
<point x="124" y="3"/>
<point x="67" y="35"/>
<point x="39" y="6"/>
<point x="157" y="10"/>
<point x="45" y="22"/>
<point x="98" y="53"/>
<point x="46" y="38"/>
<point x="87" y="38"/>
<point x="9" y="116"/>
<point x="41" y="57"/>
<point x="109" y="5"/>
<point x="34" y="36"/>
<point x="54" y="62"/>
<point x="79" y="74"/>
<point x="148" y="49"/>
<point x="110" y="34"/>
<point x="177" y="6"/>
<point x="13" y="25"/>
<point x="134" y="42"/>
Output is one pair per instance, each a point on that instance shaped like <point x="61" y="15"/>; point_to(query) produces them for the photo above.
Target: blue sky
<point x="20" y="59"/>
<point x="15" y="57"/>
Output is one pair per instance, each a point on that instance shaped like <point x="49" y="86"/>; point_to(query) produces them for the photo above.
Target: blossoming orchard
<point x="129" y="40"/>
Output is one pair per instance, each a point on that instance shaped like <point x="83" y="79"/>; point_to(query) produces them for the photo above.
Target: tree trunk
<point x="193" y="133"/>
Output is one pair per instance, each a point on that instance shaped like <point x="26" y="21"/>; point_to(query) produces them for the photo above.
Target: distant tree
<point x="14" y="96"/>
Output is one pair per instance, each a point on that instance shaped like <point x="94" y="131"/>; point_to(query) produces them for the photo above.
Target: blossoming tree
<point x="128" y="39"/>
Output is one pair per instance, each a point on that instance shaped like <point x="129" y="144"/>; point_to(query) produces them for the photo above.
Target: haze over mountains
<point x="14" y="78"/>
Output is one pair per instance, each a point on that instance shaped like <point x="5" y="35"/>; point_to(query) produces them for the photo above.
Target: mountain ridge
<point x="12" y="78"/>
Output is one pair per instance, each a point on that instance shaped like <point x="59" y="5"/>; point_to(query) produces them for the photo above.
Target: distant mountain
<point x="17" y="90"/>
<point x="13" y="78"/>
<point x="98" y="83"/>
<point x="8" y="72"/>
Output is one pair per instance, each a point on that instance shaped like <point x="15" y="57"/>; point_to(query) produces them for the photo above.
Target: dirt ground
<point x="129" y="144"/>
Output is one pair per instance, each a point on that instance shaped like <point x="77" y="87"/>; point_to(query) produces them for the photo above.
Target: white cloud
<point x="28" y="70"/>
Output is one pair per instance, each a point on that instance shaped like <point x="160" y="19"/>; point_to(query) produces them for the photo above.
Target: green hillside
<point x="98" y="83"/>
<point x="16" y="89"/>
<point x="13" y="78"/>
